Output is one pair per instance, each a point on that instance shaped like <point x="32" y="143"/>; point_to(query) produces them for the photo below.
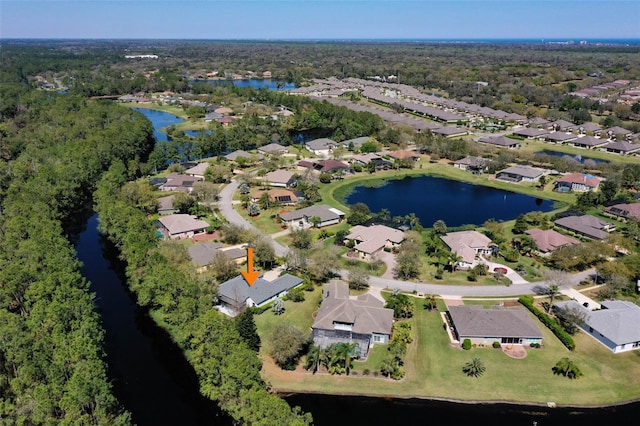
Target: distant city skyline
<point x="351" y="19"/>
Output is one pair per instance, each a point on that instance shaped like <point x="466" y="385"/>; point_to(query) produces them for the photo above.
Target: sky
<point x="321" y="19"/>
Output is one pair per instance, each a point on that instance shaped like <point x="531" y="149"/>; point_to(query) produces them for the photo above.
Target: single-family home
<point x="578" y="182"/>
<point x="547" y="240"/>
<point x="327" y="166"/>
<point x="316" y="215"/>
<point x="538" y="122"/>
<point x="590" y="128"/>
<point x="370" y="240"/>
<point x="202" y="254"/>
<point x="365" y="159"/>
<point x="273" y="149"/>
<point x="283" y="197"/>
<point x="500" y="141"/>
<point x="405" y="155"/>
<point x="321" y="147"/>
<point x="614" y="132"/>
<point x="520" y="174"/>
<point x="530" y="132"/>
<point x="282" y="178"/>
<point x="240" y="153"/>
<point x="622" y="147"/>
<point x="363" y="321"/>
<point x="165" y="205"/>
<point x="589" y="142"/>
<point x="179" y="182"/>
<point x="560" y="137"/>
<point x="450" y="131"/>
<point x="355" y="143"/>
<point x="616" y="326"/>
<point x="562" y="126"/>
<point x="587" y="226"/>
<point x="467" y="245"/>
<point x="476" y="165"/>
<point x="236" y="294"/>
<point x="624" y="211"/>
<point x="198" y="170"/>
<point x="178" y="226"/>
<point x="509" y="326"/>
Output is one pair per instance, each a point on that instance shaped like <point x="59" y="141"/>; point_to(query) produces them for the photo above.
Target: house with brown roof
<point x="282" y="178"/>
<point x="165" y="205"/>
<point x="531" y="132"/>
<point x="405" y="155"/>
<point x="508" y="326"/>
<point x="476" y="165"/>
<point x="587" y="226"/>
<point x="467" y="245"/>
<point x="179" y="182"/>
<point x="240" y="153"/>
<point x="450" y="131"/>
<point x="547" y="240"/>
<point x="370" y="240"/>
<point x="198" y="170"/>
<point x="363" y="321"/>
<point x="560" y="137"/>
<point x="500" y="141"/>
<point x="326" y="166"/>
<point x="589" y="142"/>
<point x="577" y="182"/>
<point x="366" y="159"/>
<point x="624" y="211"/>
<point x="520" y="174"/>
<point x="179" y="226"/>
<point x="283" y="197"/>
<point x="562" y="126"/>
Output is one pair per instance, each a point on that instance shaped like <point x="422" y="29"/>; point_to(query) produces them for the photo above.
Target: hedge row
<point x="551" y="324"/>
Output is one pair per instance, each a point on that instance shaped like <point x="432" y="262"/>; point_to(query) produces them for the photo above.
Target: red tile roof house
<point x="180" y="226"/>
<point x="372" y="239"/>
<point x="512" y="326"/>
<point x="467" y="245"/>
<point x="548" y="240"/>
<point x="624" y="211"/>
<point x="363" y="321"/>
<point x="577" y="182"/>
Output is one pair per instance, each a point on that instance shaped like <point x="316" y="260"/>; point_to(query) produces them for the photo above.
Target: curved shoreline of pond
<point x="285" y="393"/>
<point x="338" y="193"/>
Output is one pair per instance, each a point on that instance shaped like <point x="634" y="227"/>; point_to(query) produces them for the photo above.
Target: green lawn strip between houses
<point x="434" y="369"/>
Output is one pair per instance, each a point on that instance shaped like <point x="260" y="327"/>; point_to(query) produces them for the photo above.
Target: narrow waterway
<point x="151" y="377"/>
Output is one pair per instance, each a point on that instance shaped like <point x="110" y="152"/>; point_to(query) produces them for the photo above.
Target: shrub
<point x="466" y="344"/>
<point x="496" y="344"/>
<point x="535" y="345"/>
<point x="549" y="322"/>
<point x="366" y="372"/>
<point x="295" y="295"/>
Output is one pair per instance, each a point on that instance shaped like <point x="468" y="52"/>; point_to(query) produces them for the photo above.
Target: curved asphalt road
<point x="226" y="209"/>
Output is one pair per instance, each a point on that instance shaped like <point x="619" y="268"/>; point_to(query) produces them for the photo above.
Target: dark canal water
<point x="150" y="375"/>
<point x="456" y="203"/>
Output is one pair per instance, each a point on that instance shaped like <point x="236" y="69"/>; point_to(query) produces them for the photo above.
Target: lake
<point x="577" y="158"/>
<point x="255" y="84"/>
<point x="457" y="203"/>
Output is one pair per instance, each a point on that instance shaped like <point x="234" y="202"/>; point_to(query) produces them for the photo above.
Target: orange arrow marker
<point x="250" y="276"/>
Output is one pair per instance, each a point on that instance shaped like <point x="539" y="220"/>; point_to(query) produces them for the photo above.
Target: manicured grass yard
<point x="434" y="369"/>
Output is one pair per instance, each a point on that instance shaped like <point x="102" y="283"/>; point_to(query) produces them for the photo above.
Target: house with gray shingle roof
<point x="622" y="147"/>
<point x="560" y="137"/>
<point x="500" y="141"/>
<point x="236" y="294"/>
<point x="198" y="170"/>
<point x="485" y="326"/>
<point x="587" y="226"/>
<point x="624" y="210"/>
<point x="301" y="218"/>
<point x="363" y="321"/>
<point x="165" y="205"/>
<point x="240" y="153"/>
<point x="520" y="173"/>
<point x="530" y="132"/>
<point x="202" y="254"/>
<point x="617" y="326"/>
<point x="281" y="178"/>
<point x="589" y="142"/>
<point x="180" y="226"/>
<point x="322" y="147"/>
<point x="273" y="148"/>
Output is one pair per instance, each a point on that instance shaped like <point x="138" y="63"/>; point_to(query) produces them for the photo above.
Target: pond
<point x="159" y="120"/>
<point x="577" y="158"/>
<point x="457" y="203"/>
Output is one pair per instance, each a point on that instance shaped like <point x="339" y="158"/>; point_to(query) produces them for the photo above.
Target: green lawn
<point x="434" y="369"/>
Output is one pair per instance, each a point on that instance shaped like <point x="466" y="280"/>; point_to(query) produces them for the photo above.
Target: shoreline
<point x="284" y="393"/>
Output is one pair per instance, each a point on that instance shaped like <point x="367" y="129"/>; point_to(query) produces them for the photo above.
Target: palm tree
<point x="343" y="356"/>
<point x="475" y="368"/>
<point x="552" y="291"/>
<point x="440" y="227"/>
<point x="430" y="302"/>
<point x="314" y="358"/>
